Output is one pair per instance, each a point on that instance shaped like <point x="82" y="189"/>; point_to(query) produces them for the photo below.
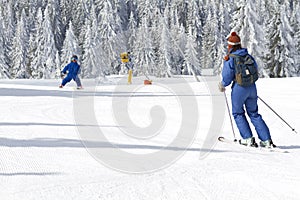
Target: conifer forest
<point x="164" y="37"/>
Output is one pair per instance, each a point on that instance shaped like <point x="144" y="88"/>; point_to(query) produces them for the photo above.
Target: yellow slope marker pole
<point x="130" y="76"/>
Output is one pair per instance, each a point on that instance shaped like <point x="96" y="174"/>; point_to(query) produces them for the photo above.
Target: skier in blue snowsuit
<point x="72" y="70"/>
<point x="243" y="96"/>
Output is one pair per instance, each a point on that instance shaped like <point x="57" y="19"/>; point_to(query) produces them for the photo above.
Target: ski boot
<point x="248" y="142"/>
<point x="267" y="144"/>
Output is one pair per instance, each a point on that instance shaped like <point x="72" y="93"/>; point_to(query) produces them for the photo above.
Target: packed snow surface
<point x="47" y="151"/>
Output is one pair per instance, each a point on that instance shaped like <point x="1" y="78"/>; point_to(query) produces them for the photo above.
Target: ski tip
<point x="221" y="138"/>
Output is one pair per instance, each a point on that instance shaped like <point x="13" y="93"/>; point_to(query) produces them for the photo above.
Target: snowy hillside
<point x="141" y="142"/>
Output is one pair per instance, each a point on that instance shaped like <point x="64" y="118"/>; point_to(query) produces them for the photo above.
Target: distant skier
<point x="72" y="70"/>
<point x="244" y="92"/>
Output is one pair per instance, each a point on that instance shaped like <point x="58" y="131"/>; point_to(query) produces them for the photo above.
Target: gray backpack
<point x="245" y="71"/>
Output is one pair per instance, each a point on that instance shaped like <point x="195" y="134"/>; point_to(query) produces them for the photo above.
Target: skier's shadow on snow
<point x="31" y="92"/>
<point x="31" y="174"/>
<point x="48" y="124"/>
<point x="70" y="94"/>
<point x="290" y="147"/>
<point x="72" y="143"/>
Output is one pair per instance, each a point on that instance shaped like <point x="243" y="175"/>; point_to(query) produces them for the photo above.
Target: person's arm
<point x="228" y="72"/>
<point x="66" y="68"/>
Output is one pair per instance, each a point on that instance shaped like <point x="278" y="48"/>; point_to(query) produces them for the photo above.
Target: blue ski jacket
<point x="73" y="69"/>
<point x="244" y="97"/>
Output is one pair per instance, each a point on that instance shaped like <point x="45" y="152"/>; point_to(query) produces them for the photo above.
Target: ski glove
<point x="221" y="87"/>
<point x="62" y="75"/>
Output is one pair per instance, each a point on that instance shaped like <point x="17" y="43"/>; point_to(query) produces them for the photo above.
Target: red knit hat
<point x="234" y="39"/>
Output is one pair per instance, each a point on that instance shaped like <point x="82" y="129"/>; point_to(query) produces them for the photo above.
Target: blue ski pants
<point x="246" y="98"/>
<point x="69" y="78"/>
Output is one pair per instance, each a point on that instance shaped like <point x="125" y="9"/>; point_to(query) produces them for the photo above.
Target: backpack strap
<point x="235" y="61"/>
<point x="235" y="68"/>
<point x="233" y="55"/>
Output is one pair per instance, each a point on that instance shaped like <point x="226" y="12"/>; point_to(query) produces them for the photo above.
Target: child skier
<point x="72" y="70"/>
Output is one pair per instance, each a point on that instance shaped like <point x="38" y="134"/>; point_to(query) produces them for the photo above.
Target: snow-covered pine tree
<point x="223" y="30"/>
<point x="252" y="32"/>
<point x="89" y="67"/>
<point x="20" y="49"/>
<point x="178" y="41"/>
<point x="57" y="24"/>
<point x="132" y="31"/>
<point x="143" y="51"/>
<point x="92" y="64"/>
<point x="42" y="47"/>
<point x="124" y="14"/>
<point x="58" y="64"/>
<point x="273" y="59"/>
<point x="209" y="58"/>
<point x="78" y="16"/>
<point x="191" y="61"/>
<point x="296" y="26"/>
<point x="269" y="27"/>
<point x="155" y="30"/>
<point x="36" y="47"/>
<point x="146" y="9"/>
<point x="237" y="14"/>
<point x="164" y="63"/>
<point x="3" y="67"/>
<point x="67" y="10"/>
<point x="49" y="70"/>
<point x="107" y="32"/>
<point x="70" y="46"/>
<point x="287" y="32"/>
<point x="9" y="32"/>
<point x="194" y="22"/>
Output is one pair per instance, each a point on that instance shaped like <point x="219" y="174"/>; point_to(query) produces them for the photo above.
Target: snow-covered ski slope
<point x="118" y="141"/>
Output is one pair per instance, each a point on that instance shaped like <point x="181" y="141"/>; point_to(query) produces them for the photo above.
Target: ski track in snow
<point x="42" y="156"/>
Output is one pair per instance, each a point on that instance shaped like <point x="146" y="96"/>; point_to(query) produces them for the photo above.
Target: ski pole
<point x="230" y="116"/>
<point x="277" y="114"/>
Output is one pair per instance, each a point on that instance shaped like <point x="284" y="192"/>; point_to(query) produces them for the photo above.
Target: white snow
<point x="43" y="154"/>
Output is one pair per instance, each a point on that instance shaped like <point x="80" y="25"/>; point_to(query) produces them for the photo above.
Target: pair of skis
<point x="265" y="149"/>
